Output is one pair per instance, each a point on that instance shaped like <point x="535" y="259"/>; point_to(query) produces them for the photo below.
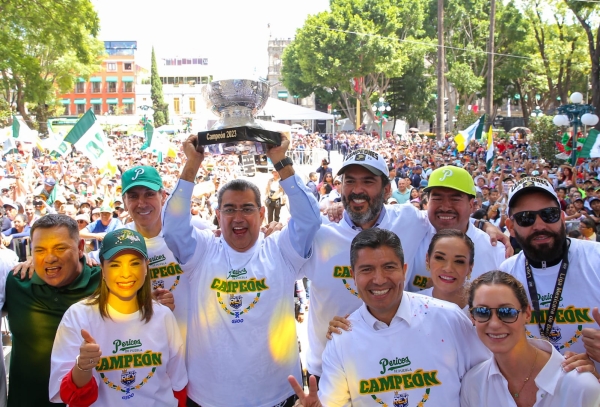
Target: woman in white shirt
<point x="523" y="372"/>
<point x="119" y="345"/>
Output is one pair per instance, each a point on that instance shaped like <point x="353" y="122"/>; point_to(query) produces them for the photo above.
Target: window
<point x="193" y="105"/>
<point x="97" y="108"/>
<point x="67" y="109"/>
<point x="80" y="87"/>
<point x="111" y="66"/>
<point x="96" y="87"/>
<point x="127" y="66"/>
<point x="176" y="105"/>
<point x="128" y="108"/>
<point x="112" y="87"/>
<point x="80" y="109"/>
<point x="127" y="86"/>
<point x="112" y="109"/>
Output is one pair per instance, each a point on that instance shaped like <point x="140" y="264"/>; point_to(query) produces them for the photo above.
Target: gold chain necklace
<point x="516" y="395"/>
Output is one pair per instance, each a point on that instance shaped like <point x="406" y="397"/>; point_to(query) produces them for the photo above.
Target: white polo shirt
<point x="484" y="385"/>
<point x="421" y="357"/>
<point x="580" y="294"/>
<point x="487" y="258"/>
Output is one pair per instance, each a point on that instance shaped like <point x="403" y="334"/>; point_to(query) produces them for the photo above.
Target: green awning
<point x="80" y="80"/>
<point x="112" y="101"/>
<point x="96" y="101"/>
<point x="66" y="101"/>
<point x="127" y="79"/>
<point x="127" y="101"/>
<point x="282" y="94"/>
<point x="80" y="101"/>
<point x="111" y="79"/>
<point x="95" y="79"/>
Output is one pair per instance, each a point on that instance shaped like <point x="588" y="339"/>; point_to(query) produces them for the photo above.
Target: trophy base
<point x="238" y="140"/>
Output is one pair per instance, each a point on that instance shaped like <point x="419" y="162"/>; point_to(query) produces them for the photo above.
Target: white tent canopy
<point x="281" y="110"/>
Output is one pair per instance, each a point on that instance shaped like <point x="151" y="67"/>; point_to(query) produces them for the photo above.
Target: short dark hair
<point x="589" y="223"/>
<point x="453" y="233"/>
<point x="57" y="220"/>
<point x="375" y="238"/>
<point x="239" y="185"/>
<point x="497" y="277"/>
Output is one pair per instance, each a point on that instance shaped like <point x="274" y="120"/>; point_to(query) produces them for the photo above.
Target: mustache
<point x="359" y="196"/>
<point x="541" y="233"/>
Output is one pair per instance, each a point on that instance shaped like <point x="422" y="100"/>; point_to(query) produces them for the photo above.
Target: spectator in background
<point x="402" y="195"/>
<point x="6" y="223"/>
<point x="311" y="184"/>
<point x="323" y="170"/>
<point x="587" y="227"/>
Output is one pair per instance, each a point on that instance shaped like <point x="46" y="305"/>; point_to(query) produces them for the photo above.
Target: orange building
<point x="110" y="89"/>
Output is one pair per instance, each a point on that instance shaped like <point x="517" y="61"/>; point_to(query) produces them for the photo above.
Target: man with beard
<point x="561" y="274"/>
<point x="365" y="184"/>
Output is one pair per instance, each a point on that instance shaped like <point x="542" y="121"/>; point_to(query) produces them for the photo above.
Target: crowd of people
<point x="123" y="292"/>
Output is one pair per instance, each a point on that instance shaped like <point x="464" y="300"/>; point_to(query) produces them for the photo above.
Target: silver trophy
<point x="236" y="102"/>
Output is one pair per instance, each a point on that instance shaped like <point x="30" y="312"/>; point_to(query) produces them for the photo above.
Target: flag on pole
<point x="88" y="137"/>
<point x="148" y="132"/>
<point x="16" y="127"/>
<point x="473" y="132"/>
<point x="591" y="147"/>
<point x="9" y="146"/>
<point x="489" y="156"/>
<point x="25" y="135"/>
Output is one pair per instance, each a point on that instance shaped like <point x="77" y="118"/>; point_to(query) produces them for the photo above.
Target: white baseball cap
<point x="369" y="159"/>
<point x="529" y="184"/>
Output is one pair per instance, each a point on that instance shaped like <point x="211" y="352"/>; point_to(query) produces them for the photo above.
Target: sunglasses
<point x="527" y="218"/>
<point x="507" y="315"/>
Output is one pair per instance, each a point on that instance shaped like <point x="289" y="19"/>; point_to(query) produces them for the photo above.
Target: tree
<point x="44" y="47"/>
<point x="545" y="136"/>
<point x="161" y="109"/>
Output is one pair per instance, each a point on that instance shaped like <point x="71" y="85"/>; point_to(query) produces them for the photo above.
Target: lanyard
<point x="556" y="295"/>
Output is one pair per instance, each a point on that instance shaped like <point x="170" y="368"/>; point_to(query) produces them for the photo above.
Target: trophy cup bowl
<point x="236" y="102"/>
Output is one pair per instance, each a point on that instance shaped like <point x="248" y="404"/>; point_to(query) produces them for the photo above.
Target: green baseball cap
<point x="142" y="175"/>
<point x="122" y="239"/>
<point x="452" y="177"/>
<point x="106" y="208"/>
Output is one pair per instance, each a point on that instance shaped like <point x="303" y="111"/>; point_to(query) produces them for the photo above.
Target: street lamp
<point x="336" y="117"/>
<point x="575" y="114"/>
<point x="379" y="108"/>
<point x="537" y="112"/>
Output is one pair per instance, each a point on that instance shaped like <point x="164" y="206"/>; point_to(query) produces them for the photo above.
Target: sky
<point x="232" y="34"/>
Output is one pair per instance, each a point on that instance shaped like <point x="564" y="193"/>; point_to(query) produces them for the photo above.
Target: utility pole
<point x="489" y="97"/>
<point x="441" y="58"/>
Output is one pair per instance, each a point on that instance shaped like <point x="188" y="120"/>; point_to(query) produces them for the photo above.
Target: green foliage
<point x="161" y="109"/>
<point x="545" y="135"/>
<point x="465" y="118"/>
<point x="5" y="113"/>
<point x="45" y="45"/>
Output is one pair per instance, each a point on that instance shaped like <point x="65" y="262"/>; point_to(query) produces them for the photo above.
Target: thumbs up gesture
<point x="591" y="338"/>
<point x="89" y="352"/>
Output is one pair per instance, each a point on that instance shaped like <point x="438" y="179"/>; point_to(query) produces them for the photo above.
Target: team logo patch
<point x="128" y="377"/>
<point x="528" y="184"/>
<point x="447" y="173"/>
<point x="158" y="284"/>
<point x="235" y="301"/>
<point x="360" y="157"/>
<point x="400" y="399"/>
<point x="138" y="172"/>
<point x="555" y="335"/>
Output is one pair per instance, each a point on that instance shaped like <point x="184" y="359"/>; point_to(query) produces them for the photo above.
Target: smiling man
<point x="35" y="307"/>
<point x="241" y="284"/>
<point x="403" y="347"/>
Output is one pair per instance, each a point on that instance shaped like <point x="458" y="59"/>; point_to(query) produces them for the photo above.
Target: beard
<point x="544" y="252"/>
<point x="373" y="209"/>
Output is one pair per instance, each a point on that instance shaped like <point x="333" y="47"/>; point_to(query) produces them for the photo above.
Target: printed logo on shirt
<point x="564" y="316"/>
<point x="163" y="271"/>
<point x="343" y="273"/>
<point x="126" y="345"/>
<point x="394" y="364"/>
<point x="546" y="299"/>
<point x="236" y="291"/>
<point x="408" y="381"/>
<point x="422" y="282"/>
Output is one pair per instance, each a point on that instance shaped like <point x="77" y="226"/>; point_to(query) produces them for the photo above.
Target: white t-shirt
<point x="141" y="364"/>
<point x="421" y="357"/>
<point x="428" y="292"/>
<point x="484" y="385"/>
<point x="243" y="321"/>
<point x="580" y="294"/>
<point x="487" y="257"/>
<point x="332" y="290"/>
<point x="166" y="272"/>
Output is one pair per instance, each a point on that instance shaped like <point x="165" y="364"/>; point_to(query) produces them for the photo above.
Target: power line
<point x="434" y="45"/>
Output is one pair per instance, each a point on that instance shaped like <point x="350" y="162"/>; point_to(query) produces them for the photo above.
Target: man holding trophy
<point x="241" y="339"/>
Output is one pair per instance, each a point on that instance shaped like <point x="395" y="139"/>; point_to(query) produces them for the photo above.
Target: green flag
<point x="591" y="147"/>
<point x="16" y="127"/>
<point x="148" y="132"/>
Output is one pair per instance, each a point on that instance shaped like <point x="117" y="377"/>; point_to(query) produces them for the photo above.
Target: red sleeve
<point x="181" y="397"/>
<point x="75" y="396"/>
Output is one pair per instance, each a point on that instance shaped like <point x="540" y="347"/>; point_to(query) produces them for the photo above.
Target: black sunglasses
<point x="507" y="315"/>
<point x="527" y="218"/>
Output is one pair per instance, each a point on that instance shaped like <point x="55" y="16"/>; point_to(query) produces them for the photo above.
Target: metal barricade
<point x="312" y="156"/>
<point x="572" y="225"/>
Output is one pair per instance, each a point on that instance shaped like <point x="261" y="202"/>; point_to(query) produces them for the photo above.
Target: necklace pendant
<point x="516" y="395"/>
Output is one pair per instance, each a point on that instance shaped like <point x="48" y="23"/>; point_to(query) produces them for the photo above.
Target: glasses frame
<point x="471" y="311"/>
<point x="245" y="211"/>
<point x="517" y="217"/>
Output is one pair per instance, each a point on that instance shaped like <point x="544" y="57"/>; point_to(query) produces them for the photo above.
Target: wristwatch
<point x="286" y="161"/>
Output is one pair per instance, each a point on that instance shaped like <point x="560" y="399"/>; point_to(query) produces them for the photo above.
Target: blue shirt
<point x="97" y="226"/>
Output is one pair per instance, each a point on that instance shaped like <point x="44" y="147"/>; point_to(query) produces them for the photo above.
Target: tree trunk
<point x="441" y="59"/>
<point x="489" y="97"/>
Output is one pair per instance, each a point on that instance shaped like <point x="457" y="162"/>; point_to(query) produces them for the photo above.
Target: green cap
<point x="452" y="177"/>
<point x="122" y="239"/>
<point x="142" y="175"/>
<point x="106" y="208"/>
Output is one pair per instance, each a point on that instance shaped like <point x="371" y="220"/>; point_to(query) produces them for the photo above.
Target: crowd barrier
<point x="311" y="156"/>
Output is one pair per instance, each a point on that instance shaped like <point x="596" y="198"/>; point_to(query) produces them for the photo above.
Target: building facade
<point x="110" y="91"/>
